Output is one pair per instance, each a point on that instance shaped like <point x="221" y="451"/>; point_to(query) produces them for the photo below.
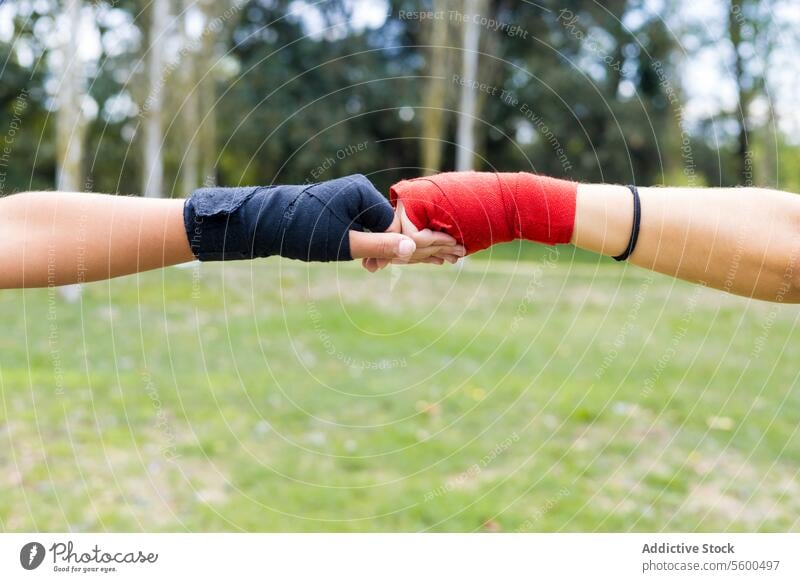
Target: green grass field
<point x="505" y="395"/>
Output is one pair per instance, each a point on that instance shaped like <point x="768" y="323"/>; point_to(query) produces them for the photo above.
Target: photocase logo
<point x="31" y="555"/>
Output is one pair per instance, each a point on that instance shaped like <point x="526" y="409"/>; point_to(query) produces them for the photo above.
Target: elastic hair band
<point x="637" y="220"/>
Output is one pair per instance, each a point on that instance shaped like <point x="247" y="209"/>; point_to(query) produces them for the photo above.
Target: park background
<point x="528" y="389"/>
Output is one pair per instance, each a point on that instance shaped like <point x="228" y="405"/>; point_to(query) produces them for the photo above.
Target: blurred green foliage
<point x="600" y="81"/>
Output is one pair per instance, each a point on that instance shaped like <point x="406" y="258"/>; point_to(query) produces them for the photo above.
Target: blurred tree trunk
<point x="771" y="34"/>
<point x="491" y="72"/>
<point x="465" y="136"/>
<point x="190" y="168"/>
<point x="70" y="125"/>
<point x="208" y="130"/>
<point x="153" y="171"/>
<point x="769" y="167"/>
<point x="744" y="168"/>
<point x="207" y="89"/>
<point x="433" y="112"/>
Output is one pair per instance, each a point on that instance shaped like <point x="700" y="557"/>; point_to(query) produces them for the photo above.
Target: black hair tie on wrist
<point x="637" y="220"/>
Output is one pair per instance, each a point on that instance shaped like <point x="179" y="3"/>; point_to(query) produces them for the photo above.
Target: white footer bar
<point x="396" y="557"/>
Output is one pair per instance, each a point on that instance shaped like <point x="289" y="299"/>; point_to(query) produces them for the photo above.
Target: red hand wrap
<point x="480" y="209"/>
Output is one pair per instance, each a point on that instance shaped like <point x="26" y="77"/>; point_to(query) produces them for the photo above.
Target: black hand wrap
<point x="309" y="222"/>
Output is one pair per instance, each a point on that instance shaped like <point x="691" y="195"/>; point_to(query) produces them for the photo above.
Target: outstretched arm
<point x="56" y="238"/>
<point x="741" y="240"/>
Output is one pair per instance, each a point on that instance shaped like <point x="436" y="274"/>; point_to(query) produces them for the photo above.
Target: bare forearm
<point x="55" y="238"/>
<point x="742" y="240"/>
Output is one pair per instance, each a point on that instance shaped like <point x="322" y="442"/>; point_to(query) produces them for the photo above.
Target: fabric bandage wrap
<point x="310" y="222"/>
<point x="480" y="209"/>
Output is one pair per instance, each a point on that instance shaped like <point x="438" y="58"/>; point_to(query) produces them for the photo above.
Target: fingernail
<point x="405" y="248"/>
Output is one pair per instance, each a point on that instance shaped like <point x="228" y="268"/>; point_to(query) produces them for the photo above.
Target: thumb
<point x="380" y="245"/>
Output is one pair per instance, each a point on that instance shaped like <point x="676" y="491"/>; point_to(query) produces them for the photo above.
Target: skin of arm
<point x="57" y="238"/>
<point x="744" y="241"/>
